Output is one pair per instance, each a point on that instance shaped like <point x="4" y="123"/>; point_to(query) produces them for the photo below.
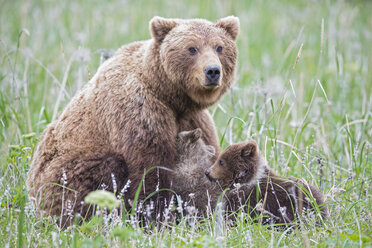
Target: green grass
<point x="303" y="91"/>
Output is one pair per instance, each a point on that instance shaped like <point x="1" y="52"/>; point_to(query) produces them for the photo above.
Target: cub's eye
<point x="221" y="162"/>
<point x="219" y="49"/>
<point x="193" y="50"/>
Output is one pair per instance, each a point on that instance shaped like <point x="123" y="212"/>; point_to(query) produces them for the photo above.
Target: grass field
<point x="303" y="91"/>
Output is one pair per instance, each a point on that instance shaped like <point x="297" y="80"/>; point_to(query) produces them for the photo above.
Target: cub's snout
<point x="207" y="174"/>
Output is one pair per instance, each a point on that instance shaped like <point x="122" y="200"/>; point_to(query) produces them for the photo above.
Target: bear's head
<point x="191" y="147"/>
<point x="198" y="57"/>
<point x="238" y="161"/>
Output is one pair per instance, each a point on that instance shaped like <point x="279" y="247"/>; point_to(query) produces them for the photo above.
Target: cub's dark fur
<point x="258" y="190"/>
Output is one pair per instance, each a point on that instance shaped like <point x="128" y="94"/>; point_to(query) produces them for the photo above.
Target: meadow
<point x="303" y="92"/>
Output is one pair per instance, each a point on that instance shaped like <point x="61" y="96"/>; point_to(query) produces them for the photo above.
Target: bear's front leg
<point x="145" y="136"/>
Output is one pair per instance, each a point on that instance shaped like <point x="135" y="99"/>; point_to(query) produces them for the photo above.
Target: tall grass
<point x="303" y="92"/>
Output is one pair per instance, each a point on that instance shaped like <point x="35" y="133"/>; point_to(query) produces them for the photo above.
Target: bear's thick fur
<point x="188" y="178"/>
<point x="126" y="119"/>
<point x="255" y="189"/>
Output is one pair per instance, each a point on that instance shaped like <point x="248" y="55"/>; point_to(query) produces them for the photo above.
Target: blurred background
<point x="303" y="85"/>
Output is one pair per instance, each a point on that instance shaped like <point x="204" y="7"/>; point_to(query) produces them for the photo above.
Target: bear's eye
<point x="219" y="49"/>
<point x="221" y="162"/>
<point x="193" y="50"/>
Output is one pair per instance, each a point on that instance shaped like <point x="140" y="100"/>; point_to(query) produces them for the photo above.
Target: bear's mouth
<point x="211" y="179"/>
<point x="211" y="86"/>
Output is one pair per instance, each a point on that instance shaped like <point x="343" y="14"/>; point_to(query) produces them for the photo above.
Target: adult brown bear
<point x="125" y="120"/>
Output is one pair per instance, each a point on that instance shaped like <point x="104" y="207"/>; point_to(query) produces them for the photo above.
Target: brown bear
<point x="188" y="179"/>
<point x="126" y="119"/>
<point x="255" y="189"/>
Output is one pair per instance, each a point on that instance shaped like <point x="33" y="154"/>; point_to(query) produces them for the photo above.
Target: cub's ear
<point x="160" y="27"/>
<point x="230" y="24"/>
<point x="249" y="149"/>
<point x="190" y="136"/>
<point x="194" y="135"/>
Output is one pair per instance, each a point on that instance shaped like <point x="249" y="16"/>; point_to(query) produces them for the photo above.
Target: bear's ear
<point x="160" y="27"/>
<point x="194" y="135"/>
<point x="190" y="136"/>
<point x="249" y="149"/>
<point x="230" y="24"/>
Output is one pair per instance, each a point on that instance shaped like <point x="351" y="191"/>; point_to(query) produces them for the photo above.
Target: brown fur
<point x="256" y="189"/>
<point x="188" y="179"/>
<point x="132" y="110"/>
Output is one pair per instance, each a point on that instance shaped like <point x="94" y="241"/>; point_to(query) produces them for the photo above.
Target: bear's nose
<point x="206" y="172"/>
<point x="212" y="72"/>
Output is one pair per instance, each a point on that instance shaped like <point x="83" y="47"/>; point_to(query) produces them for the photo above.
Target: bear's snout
<point x="212" y="73"/>
<point x="207" y="172"/>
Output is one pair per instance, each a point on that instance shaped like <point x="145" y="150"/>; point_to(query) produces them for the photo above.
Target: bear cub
<point x="255" y="189"/>
<point x="188" y="178"/>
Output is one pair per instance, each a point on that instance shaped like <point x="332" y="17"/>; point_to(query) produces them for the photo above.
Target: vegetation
<point x="303" y="91"/>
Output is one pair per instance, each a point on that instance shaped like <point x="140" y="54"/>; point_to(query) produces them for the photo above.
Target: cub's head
<point x="191" y="146"/>
<point x="198" y="56"/>
<point x="238" y="161"/>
